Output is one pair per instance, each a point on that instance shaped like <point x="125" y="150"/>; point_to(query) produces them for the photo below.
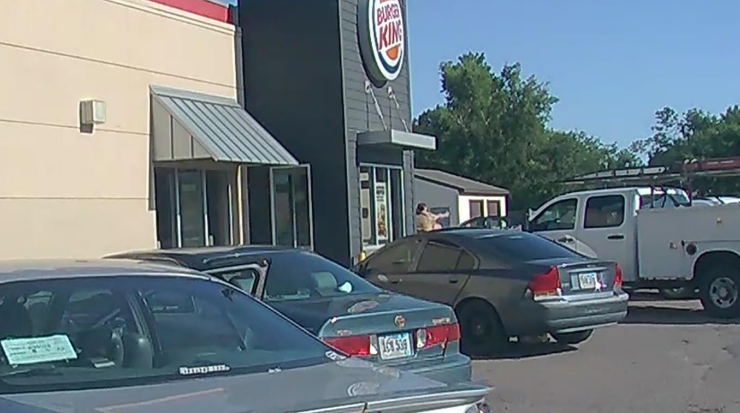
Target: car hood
<point x="343" y="383"/>
<point x="313" y="314"/>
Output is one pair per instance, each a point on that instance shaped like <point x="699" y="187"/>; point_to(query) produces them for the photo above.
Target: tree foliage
<point x="493" y="127"/>
<point x="692" y="135"/>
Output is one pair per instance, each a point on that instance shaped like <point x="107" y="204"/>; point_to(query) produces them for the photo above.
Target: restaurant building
<point x="123" y="126"/>
<point x="330" y="80"/>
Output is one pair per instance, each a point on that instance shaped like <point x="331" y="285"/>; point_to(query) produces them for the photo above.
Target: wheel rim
<point x="723" y="292"/>
<point x="479" y="329"/>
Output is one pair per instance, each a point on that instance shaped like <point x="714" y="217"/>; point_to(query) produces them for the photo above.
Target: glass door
<point x="191" y="189"/>
<point x="381" y="205"/>
<point x="292" y="221"/>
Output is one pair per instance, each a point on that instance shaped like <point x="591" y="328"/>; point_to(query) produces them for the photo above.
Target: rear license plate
<point x="395" y="346"/>
<point x="587" y="281"/>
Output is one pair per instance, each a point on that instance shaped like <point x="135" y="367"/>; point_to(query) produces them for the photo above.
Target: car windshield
<point x="116" y="331"/>
<point x="300" y="276"/>
<point x="524" y="247"/>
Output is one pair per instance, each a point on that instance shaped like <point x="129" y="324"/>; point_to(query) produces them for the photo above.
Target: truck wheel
<point x="573" y="338"/>
<point x="720" y="292"/>
<point x="481" y="331"/>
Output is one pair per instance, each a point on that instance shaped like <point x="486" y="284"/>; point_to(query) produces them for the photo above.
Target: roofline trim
<point x="204" y="8"/>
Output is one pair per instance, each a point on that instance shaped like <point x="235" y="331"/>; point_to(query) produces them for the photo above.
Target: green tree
<point x="493" y="127"/>
<point x="695" y="134"/>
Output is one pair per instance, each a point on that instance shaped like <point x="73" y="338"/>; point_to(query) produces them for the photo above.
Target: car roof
<point x="202" y="258"/>
<point x="471" y="232"/>
<point x="17" y="270"/>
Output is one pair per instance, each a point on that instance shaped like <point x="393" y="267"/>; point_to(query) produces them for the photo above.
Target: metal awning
<point x="397" y="138"/>
<point x="193" y="126"/>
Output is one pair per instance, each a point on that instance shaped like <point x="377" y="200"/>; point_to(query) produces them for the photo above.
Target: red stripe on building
<point x="203" y="8"/>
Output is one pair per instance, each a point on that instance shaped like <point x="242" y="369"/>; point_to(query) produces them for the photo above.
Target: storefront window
<point x="291" y="207"/>
<point x="195" y="208"/>
<point x="381" y="204"/>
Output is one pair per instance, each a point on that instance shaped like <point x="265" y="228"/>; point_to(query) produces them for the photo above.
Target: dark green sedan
<point x="338" y="306"/>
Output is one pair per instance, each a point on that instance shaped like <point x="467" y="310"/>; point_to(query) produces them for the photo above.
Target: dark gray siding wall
<point x="293" y="86"/>
<point x="362" y="116"/>
<point x="435" y="195"/>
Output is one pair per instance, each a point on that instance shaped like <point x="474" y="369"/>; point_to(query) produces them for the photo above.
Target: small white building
<point x="462" y="197"/>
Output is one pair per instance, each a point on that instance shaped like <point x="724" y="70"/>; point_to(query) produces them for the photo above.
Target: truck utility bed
<point x="664" y="237"/>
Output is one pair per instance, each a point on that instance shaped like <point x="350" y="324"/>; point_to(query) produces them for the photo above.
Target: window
<point x="659" y="199"/>
<point x="291" y="206"/>
<point x="245" y="278"/>
<point x="394" y="259"/>
<point x="558" y="216"/>
<point x="439" y="256"/>
<point x="122" y="331"/>
<point x="524" y="247"/>
<point x="476" y="209"/>
<point x="493" y="208"/>
<point x="195" y="207"/>
<point x="604" y="211"/>
<point x="300" y="276"/>
<point x="381" y="204"/>
<point x="466" y="262"/>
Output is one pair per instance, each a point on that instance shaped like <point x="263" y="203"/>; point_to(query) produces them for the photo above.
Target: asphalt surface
<point x="666" y="357"/>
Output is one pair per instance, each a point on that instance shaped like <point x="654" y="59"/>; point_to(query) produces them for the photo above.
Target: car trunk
<point x="393" y="329"/>
<point x="582" y="279"/>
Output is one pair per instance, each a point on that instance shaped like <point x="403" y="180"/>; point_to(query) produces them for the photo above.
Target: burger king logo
<point x="382" y="38"/>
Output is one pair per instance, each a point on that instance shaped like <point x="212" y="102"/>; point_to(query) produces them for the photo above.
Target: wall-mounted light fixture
<point x="92" y="112"/>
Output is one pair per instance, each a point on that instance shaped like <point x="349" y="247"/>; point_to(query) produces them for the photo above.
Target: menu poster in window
<point x="381" y="208"/>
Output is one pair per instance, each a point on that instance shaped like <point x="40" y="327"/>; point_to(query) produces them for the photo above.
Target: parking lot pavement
<point x="666" y="357"/>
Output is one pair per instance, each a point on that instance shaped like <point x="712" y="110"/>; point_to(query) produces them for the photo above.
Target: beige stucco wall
<point x="68" y="194"/>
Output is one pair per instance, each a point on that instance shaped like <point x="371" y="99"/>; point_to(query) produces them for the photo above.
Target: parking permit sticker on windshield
<point x="19" y="351"/>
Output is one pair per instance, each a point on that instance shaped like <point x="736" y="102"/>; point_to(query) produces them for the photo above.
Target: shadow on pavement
<point x="522" y="351"/>
<point x="652" y="309"/>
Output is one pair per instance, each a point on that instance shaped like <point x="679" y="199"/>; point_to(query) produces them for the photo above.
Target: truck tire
<point x="720" y="291"/>
<point x="573" y="338"/>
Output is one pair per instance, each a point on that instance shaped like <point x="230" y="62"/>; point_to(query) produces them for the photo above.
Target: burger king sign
<point x="382" y="38"/>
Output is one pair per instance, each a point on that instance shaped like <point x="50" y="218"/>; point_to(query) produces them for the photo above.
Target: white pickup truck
<point x="658" y="239"/>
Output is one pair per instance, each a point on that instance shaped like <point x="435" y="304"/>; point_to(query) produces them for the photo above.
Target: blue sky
<point x="611" y="63"/>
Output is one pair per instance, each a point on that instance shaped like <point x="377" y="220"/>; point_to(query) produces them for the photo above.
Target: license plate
<point x="587" y="281"/>
<point x="395" y="346"/>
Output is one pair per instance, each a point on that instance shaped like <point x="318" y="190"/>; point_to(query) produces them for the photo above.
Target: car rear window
<point x="102" y="332"/>
<point x="522" y="246"/>
<point x="301" y="276"/>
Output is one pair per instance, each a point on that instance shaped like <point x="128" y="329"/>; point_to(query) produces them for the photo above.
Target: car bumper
<point x="451" y="369"/>
<point x="568" y="315"/>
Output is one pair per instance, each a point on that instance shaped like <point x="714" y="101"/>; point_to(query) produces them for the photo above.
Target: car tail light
<point x="351" y="345"/>
<point x="437" y="335"/>
<point x="545" y="285"/>
<point x="618" y="277"/>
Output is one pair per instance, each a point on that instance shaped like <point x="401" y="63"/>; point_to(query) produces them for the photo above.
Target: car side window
<point x="604" y="211"/>
<point x="244" y="279"/>
<point x="558" y="216"/>
<point x="465" y="262"/>
<point x="394" y="259"/>
<point x="439" y="256"/>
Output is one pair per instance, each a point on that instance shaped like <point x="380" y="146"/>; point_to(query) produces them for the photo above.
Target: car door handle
<point x="565" y="239"/>
<point x="396" y="281"/>
<point x="615" y="237"/>
<point x="454" y="281"/>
